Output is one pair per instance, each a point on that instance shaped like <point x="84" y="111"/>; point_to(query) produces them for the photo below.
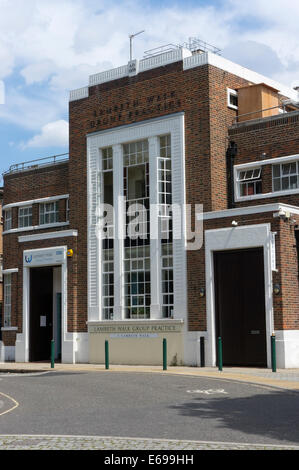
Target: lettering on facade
<point x="131" y="109"/>
<point x="135" y="329"/>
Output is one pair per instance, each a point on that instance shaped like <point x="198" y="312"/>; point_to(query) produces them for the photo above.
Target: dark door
<point x="240" y="306"/>
<point x="41" y="313"/>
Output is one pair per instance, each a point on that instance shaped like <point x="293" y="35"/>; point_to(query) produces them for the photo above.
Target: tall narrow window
<point x="167" y="281"/>
<point x="106" y="197"/>
<point x="137" y="282"/>
<point x="108" y="285"/>
<point x="7" y="300"/>
<point x="137" y="242"/>
<point x="7" y="220"/>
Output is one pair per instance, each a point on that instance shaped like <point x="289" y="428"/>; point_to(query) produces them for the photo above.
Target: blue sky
<point x="48" y="47"/>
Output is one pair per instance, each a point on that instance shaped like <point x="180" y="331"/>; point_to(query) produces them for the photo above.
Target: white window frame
<point x="231" y="92"/>
<point x="261" y="163"/>
<point x="249" y="178"/>
<point x="25" y="217"/>
<point x="46" y="211"/>
<point x="280" y="178"/>
<point x="7" y="220"/>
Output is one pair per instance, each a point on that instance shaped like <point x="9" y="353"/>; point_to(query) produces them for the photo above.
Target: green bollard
<point x="273" y="352"/>
<point x="107" y="355"/>
<point x="52" y="354"/>
<point x="220" y="355"/>
<point x="164" y="354"/>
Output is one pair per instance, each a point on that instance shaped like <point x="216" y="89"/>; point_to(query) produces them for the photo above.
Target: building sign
<point x="129" y="110"/>
<point x="46" y="257"/>
<point x="135" y="329"/>
<point x="134" y="335"/>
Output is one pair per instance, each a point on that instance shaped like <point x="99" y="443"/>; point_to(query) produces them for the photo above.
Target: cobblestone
<point x="116" y="443"/>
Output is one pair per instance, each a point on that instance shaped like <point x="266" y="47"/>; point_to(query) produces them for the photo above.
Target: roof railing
<point x="39" y="163"/>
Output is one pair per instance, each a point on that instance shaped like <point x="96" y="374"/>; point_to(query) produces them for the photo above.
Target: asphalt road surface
<point x="153" y="406"/>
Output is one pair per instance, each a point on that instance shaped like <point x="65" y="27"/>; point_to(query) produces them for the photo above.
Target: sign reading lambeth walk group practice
<point x="135" y="331"/>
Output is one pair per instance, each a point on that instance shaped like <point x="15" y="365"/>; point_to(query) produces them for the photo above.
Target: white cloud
<point x="51" y="46"/>
<point x="54" y="134"/>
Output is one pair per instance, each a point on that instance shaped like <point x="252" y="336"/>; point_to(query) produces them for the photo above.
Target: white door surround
<point x="54" y="256"/>
<point x="250" y="236"/>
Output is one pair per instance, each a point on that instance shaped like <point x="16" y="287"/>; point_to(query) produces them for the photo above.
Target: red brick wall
<point x="200" y="92"/>
<point x="277" y="138"/>
<point x="286" y="305"/>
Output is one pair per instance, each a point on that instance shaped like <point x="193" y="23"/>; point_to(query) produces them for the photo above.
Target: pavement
<point x="287" y="379"/>
<point x="236" y="409"/>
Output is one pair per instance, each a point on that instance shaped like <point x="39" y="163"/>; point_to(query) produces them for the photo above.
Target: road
<point x="148" y="406"/>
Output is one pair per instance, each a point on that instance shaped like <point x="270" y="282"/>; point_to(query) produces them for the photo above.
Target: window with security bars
<point x="7" y="300"/>
<point x="49" y="213"/>
<point x="25" y="216"/>
<point x="137" y="282"/>
<point x="285" y="176"/>
<point x="167" y="280"/>
<point x="108" y="284"/>
<point x="250" y="182"/>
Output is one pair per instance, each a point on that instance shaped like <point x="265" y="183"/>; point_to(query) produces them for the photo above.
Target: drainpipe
<point x="231" y="153"/>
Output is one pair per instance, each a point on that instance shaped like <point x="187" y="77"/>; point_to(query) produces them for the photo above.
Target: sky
<point x="49" y="47"/>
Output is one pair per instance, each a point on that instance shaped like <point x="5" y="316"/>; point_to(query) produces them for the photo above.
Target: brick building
<point x="183" y="128"/>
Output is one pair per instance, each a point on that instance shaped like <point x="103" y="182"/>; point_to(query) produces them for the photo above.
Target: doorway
<point x="240" y="306"/>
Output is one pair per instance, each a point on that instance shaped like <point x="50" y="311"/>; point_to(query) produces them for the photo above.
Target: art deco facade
<point x="217" y="143"/>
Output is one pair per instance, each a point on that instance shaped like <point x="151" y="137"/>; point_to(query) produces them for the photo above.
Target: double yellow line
<point x="16" y="404"/>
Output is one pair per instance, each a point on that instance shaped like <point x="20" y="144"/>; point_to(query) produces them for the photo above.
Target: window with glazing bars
<point x="108" y="284"/>
<point x="49" y="213"/>
<point x="25" y="216"/>
<point x="137" y="282"/>
<point x="136" y="187"/>
<point x="167" y="280"/>
<point x="7" y="300"/>
<point x="285" y="176"/>
<point x="7" y="220"/>
<point x="250" y="182"/>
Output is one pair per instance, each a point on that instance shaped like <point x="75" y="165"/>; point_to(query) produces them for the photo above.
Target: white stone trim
<point x="10" y="328"/>
<point x="249" y="210"/>
<point x="189" y="61"/>
<point x="174" y="125"/>
<point x="79" y="94"/>
<point x="48" y="236"/>
<point x="69" y="345"/>
<point x="36" y="227"/>
<point x="197" y="60"/>
<point x="10" y="271"/>
<point x="250" y="236"/>
<point x="35" y="201"/>
<point x="287" y="349"/>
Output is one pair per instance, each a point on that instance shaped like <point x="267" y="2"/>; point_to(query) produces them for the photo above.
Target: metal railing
<point x="282" y="107"/>
<point x="39" y="163"/>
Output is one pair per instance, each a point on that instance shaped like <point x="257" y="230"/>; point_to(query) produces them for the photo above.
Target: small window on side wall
<point x="232" y="99"/>
<point x="250" y="182"/>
